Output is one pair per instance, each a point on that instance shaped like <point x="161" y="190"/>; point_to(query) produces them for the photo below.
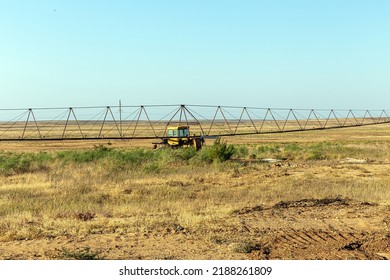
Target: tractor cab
<point x="178" y="131"/>
<point x="178" y="135"/>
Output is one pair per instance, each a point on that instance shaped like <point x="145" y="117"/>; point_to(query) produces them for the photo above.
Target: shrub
<point x="218" y="152"/>
<point x="242" y="151"/>
<point x="14" y="163"/>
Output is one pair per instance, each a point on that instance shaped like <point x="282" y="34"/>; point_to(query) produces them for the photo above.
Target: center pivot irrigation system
<point x="167" y="122"/>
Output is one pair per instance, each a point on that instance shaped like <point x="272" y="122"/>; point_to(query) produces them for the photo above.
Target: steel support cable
<point x="77" y="122"/>
<point x="270" y="122"/>
<point x="322" y="117"/>
<point x="82" y="124"/>
<point x="307" y="119"/>
<point x="380" y="117"/>
<point x="273" y="113"/>
<point x="196" y="120"/>
<point x="108" y="111"/>
<point x="71" y="112"/>
<point x="136" y="123"/>
<point x="361" y="117"/>
<point x="89" y="125"/>
<point x="59" y="117"/>
<point x="296" y="113"/>
<point x="267" y="121"/>
<point x="116" y="125"/>
<point x="129" y="114"/>
<point x="151" y="125"/>
<point x="17" y="118"/>
<point x="273" y="117"/>
<point x="169" y="122"/>
<point x="159" y="122"/>
<point x="319" y="122"/>
<point x="185" y="116"/>
<point x="377" y="116"/>
<point x="328" y="118"/>
<point x="387" y="117"/>
<point x="238" y="123"/>
<point x="66" y="124"/>
<point x="100" y="114"/>
<point x="244" y="109"/>
<point x="25" y="124"/>
<point x="240" y="120"/>
<point x="205" y="121"/>
<point x="31" y="112"/>
<point x="252" y="122"/>
<point x="264" y="120"/>
<point x="364" y="118"/>
<point x="312" y="112"/>
<point x="346" y="118"/>
<point x="223" y="111"/>
<point x="181" y="114"/>
<point x="260" y="119"/>
<point x="234" y="118"/>
<point x="136" y="112"/>
<point x="226" y="121"/>
<point x="86" y="122"/>
<point x="144" y="130"/>
<point x="369" y="113"/>
<point x="353" y="114"/>
<point x="383" y="113"/>
<point x="354" y="121"/>
<point x="286" y="119"/>
<point x="214" y="123"/>
<point x="338" y="116"/>
<point x="104" y="121"/>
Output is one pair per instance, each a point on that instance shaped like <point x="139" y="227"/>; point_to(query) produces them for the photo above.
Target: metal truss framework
<point x="151" y="122"/>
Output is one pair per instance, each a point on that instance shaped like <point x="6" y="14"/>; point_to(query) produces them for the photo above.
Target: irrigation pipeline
<point x="152" y="121"/>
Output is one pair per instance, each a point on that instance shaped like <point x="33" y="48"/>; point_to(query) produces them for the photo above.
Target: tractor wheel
<point x="197" y="143"/>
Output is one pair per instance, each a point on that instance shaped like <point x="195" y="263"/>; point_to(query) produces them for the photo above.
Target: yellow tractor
<point x="179" y="136"/>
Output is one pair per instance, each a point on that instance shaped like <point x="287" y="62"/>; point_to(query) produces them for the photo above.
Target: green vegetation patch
<point x="18" y="163"/>
<point x="165" y="159"/>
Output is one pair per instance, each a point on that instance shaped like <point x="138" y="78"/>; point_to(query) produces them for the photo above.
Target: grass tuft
<point x="85" y="253"/>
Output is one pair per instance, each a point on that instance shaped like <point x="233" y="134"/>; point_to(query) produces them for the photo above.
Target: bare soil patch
<point x="333" y="228"/>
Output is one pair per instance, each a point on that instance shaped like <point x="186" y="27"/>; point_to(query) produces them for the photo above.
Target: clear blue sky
<point x="320" y="54"/>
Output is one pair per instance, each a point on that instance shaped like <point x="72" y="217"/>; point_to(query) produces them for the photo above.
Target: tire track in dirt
<point x="320" y="229"/>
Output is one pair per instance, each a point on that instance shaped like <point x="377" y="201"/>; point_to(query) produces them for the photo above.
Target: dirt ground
<point x="332" y="228"/>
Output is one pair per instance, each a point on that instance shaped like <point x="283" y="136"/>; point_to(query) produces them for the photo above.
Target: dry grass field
<point x="326" y="196"/>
